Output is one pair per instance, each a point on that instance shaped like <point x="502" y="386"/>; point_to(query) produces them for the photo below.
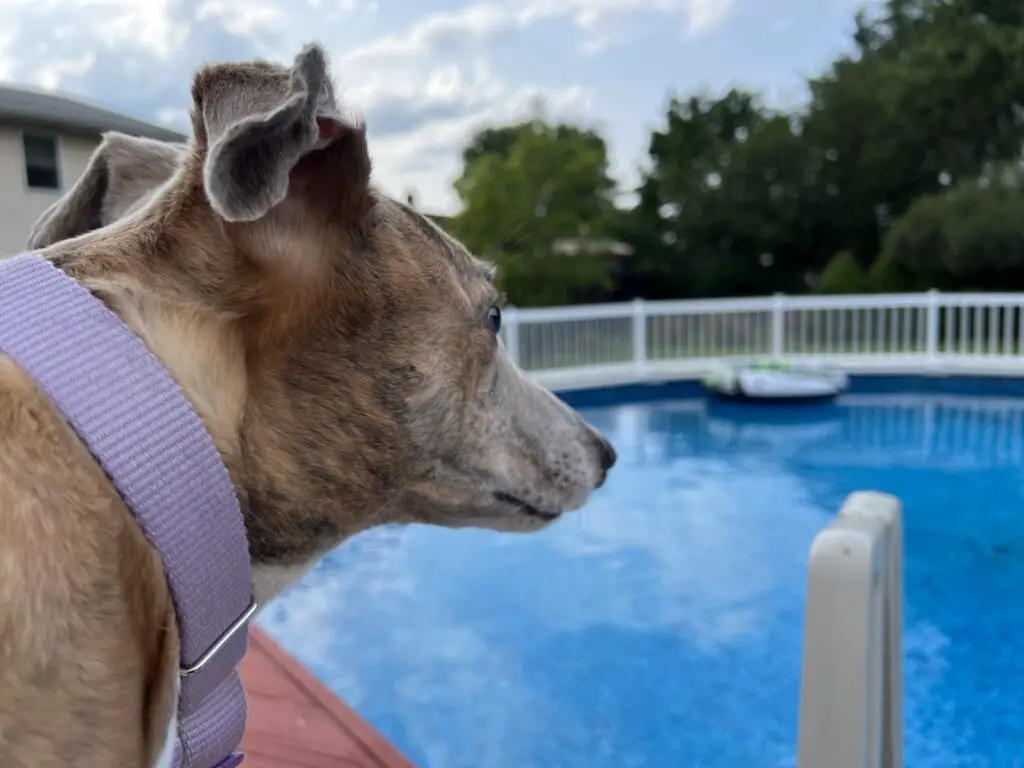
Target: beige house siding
<point x="21" y="206"/>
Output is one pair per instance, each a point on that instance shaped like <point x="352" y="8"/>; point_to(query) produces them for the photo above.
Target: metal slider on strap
<point x="239" y="625"/>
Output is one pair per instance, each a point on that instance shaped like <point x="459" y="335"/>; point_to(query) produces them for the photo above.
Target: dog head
<point x="342" y="349"/>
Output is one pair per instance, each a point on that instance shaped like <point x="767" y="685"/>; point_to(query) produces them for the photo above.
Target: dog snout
<point x="606" y="457"/>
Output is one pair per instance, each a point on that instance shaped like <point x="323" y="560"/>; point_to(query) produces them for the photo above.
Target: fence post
<point x="639" y="336"/>
<point x="510" y="326"/>
<point x="778" y="325"/>
<point x="932" y="327"/>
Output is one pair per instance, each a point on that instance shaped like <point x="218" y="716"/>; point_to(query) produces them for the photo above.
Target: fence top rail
<point x="569" y="314"/>
<point x="627" y="309"/>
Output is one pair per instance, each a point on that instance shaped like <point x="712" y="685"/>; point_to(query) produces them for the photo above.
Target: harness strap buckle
<point x="239" y="625"/>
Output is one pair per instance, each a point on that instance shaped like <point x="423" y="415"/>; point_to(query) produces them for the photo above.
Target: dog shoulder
<point x="87" y="633"/>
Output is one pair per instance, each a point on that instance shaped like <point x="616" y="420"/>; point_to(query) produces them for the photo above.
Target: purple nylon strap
<point x="138" y="425"/>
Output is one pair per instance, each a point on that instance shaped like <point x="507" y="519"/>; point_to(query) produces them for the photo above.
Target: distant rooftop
<point x="60" y="112"/>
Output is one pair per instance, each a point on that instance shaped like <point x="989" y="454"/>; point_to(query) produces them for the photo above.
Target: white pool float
<point x="775" y="382"/>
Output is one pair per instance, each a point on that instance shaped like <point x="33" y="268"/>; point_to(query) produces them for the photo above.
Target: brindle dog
<point x="341" y="350"/>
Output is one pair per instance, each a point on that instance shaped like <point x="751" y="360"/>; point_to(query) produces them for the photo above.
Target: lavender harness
<point x="138" y="425"/>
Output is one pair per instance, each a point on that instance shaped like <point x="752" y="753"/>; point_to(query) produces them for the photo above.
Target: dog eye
<point x="494" y="316"/>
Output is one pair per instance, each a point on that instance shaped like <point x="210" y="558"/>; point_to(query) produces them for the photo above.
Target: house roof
<point x="59" y="112"/>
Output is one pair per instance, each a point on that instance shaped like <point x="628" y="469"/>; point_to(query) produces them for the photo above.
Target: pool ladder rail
<point x="851" y="690"/>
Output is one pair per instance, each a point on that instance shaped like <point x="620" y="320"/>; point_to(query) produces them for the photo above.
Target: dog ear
<point x="122" y="171"/>
<point x="257" y="121"/>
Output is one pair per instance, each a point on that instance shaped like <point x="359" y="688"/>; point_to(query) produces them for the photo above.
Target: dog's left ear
<point x="257" y="121"/>
<point x="123" y="171"/>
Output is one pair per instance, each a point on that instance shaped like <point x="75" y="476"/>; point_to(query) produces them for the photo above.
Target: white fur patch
<point x="166" y="757"/>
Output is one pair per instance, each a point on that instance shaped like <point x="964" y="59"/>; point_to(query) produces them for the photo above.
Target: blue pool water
<point x="661" y="627"/>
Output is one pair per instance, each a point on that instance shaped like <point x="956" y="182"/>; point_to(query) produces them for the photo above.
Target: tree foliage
<point x="933" y="93"/>
<point x="524" y="189"/>
<point x="844" y="274"/>
<point x="722" y="193"/>
<point x="970" y="237"/>
<point x="897" y="173"/>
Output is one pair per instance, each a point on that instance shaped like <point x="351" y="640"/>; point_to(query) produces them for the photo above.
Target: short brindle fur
<point x="340" y="349"/>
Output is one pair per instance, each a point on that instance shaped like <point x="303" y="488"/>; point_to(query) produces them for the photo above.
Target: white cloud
<point x="425" y="80"/>
<point x="426" y="159"/>
<point x="468" y="27"/>
<point x="705" y="15"/>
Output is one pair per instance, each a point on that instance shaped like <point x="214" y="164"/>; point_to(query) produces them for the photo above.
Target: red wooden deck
<point x="295" y="722"/>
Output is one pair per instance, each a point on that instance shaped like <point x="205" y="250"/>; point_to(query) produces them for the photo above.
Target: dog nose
<point x="608" y="454"/>
<point x="606" y="457"/>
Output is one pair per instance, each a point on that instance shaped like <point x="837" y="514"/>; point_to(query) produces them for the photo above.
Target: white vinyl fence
<point x="650" y="341"/>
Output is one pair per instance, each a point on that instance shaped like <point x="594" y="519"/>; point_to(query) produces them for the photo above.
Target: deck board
<point x="294" y="721"/>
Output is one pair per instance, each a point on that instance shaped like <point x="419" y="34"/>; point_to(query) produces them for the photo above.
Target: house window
<point x="42" y="170"/>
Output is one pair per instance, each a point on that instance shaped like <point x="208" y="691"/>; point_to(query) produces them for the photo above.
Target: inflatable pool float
<point x="774" y="382"/>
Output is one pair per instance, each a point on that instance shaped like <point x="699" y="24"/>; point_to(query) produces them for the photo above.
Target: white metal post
<point x="932" y="327"/>
<point x="778" y="325"/>
<point x="639" y="336"/>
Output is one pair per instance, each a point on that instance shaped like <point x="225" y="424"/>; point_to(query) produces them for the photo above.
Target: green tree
<point x="522" y="193"/>
<point x="719" y="208"/>
<point x="497" y="140"/>
<point x="500" y="140"/>
<point x="740" y="199"/>
<point x="843" y="274"/>
<point x="970" y="237"/>
<point x="933" y="92"/>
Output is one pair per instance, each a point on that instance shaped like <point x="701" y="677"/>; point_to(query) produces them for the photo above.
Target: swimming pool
<point x="662" y="625"/>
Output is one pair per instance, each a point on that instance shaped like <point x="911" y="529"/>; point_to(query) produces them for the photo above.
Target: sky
<point x="426" y="74"/>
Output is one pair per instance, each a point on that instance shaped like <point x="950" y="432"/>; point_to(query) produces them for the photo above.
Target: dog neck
<point x="204" y="351"/>
<point x="206" y="358"/>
